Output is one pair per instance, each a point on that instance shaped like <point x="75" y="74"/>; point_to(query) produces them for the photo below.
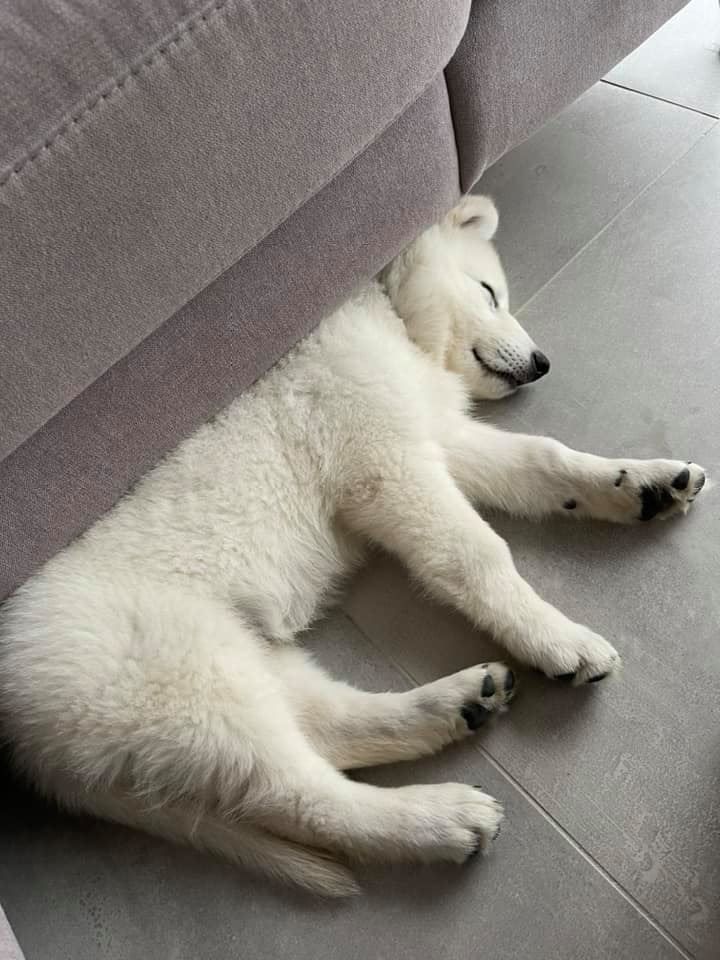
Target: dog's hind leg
<point x="353" y="728"/>
<point x="420" y="514"/>
<point x="172" y="700"/>
<point x="535" y="476"/>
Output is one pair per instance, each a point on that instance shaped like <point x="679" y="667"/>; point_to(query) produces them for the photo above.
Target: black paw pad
<point x="474" y="715"/>
<point x="565" y="676"/>
<point x="597" y="678"/>
<point x="488" y="686"/>
<point x="654" y="501"/>
<point x="682" y="479"/>
<point x="509" y="681"/>
<point x="570" y="504"/>
<point x="620" y="477"/>
<point x="476" y="849"/>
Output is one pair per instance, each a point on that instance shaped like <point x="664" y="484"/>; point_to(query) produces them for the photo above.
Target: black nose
<point x="539" y="365"/>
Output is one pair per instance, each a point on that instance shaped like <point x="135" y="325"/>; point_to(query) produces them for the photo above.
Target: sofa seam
<point x="154" y="53"/>
<point x="454" y="125"/>
<point x="116" y="84"/>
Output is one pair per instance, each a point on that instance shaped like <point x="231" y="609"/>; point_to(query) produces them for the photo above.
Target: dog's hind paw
<point x="485" y="688"/>
<point x="449" y="821"/>
<point x="454" y="707"/>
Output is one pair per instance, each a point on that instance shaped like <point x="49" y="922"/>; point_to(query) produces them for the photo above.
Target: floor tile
<point x="681" y="62"/>
<point x="98" y="893"/>
<point x="556" y="191"/>
<point x="630" y="768"/>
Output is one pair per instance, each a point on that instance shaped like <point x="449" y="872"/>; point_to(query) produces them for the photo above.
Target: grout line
<point x="616" y="216"/>
<point x="383" y="653"/>
<point x="586" y="855"/>
<point x="654" y="96"/>
<point x="536" y="805"/>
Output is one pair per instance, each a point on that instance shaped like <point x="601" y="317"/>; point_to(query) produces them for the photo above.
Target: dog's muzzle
<point x="513" y="370"/>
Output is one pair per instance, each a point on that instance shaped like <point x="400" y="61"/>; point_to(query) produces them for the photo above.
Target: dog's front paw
<point x="667" y="487"/>
<point x="572" y="652"/>
<point x="645" y="489"/>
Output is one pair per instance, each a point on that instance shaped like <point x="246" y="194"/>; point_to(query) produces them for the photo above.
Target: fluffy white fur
<point x="149" y="673"/>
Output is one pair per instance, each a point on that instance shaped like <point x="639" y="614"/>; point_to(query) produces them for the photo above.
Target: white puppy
<point x="148" y="672"/>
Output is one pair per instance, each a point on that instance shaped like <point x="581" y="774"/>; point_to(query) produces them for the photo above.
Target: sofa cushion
<point x="74" y="468"/>
<point x="556" y="50"/>
<point x="147" y="145"/>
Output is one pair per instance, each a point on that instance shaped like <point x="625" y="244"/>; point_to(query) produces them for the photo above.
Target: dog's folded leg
<point x="352" y="728"/>
<point x="534" y="476"/>
<point x="421" y="515"/>
<point x="314" y="804"/>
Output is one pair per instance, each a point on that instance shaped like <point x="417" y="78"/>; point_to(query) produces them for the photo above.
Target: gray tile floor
<point x="611" y="849"/>
<point x="679" y="63"/>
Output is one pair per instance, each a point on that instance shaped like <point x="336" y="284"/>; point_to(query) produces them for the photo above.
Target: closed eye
<point x="490" y="290"/>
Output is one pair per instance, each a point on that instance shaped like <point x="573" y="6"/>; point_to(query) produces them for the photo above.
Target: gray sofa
<point x="187" y="187"/>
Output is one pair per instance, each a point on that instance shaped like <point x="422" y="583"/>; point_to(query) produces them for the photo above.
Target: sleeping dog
<point x="150" y="673"/>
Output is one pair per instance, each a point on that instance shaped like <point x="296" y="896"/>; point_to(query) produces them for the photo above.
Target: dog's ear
<point x="475" y="213"/>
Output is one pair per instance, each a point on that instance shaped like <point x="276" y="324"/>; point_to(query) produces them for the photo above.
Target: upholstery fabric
<point x="148" y="145"/>
<point x="71" y="471"/>
<point x="519" y="63"/>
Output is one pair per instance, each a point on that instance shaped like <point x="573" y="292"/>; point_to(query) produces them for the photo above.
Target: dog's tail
<point x="242" y="843"/>
<point x="314" y="870"/>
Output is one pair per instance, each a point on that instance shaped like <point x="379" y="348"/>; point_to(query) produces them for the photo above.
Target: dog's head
<point x="450" y="290"/>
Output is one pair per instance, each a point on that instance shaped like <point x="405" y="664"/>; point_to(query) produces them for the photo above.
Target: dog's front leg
<point x="535" y="476"/>
<point x="418" y="512"/>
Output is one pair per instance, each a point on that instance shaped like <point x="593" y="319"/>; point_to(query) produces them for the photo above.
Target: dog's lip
<point x="500" y="374"/>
